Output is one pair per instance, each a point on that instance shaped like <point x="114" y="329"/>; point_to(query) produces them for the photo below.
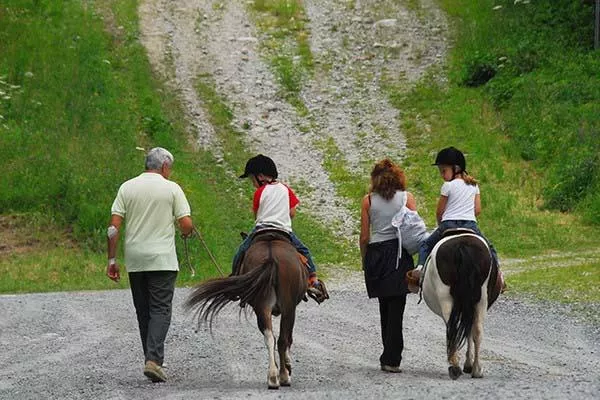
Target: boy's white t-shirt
<point x="150" y="205"/>
<point x="272" y="203"/>
<point x="461" y="200"/>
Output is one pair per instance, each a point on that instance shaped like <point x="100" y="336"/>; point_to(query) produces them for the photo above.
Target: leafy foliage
<point x="535" y="61"/>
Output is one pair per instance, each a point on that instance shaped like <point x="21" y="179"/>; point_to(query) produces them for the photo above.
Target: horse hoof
<point x="273" y="387"/>
<point x="467" y="370"/>
<point x="454" y="372"/>
<point x="286" y="383"/>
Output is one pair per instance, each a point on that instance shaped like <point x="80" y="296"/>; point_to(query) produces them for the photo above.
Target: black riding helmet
<point x="451" y="156"/>
<point x="260" y="165"/>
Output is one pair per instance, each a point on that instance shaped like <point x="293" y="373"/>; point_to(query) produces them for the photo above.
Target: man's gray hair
<point x="158" y="156"/>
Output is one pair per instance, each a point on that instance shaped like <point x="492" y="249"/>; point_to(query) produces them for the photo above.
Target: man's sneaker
<point x="155" y="372"/>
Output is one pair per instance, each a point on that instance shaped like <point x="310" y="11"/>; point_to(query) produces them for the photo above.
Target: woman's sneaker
<point x="389" y="368"/>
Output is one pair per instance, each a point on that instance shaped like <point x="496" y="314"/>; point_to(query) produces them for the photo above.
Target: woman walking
<point x="384" y="264"/>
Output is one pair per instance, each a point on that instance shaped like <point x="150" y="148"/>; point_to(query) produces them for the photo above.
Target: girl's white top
<point x="461" y="200"/>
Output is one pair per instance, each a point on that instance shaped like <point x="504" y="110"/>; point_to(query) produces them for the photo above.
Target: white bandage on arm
<point x="112" y="231"/>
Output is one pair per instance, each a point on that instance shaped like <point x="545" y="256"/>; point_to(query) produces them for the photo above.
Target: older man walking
<point x="150" y="204"/>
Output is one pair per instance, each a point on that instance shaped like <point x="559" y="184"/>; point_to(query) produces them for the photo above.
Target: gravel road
<point x="85" y="345"/>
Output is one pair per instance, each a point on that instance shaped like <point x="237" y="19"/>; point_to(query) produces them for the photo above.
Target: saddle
<point x="413" y="277"/>
<point x="457" y="231"/>
<point x="317" y="292"/>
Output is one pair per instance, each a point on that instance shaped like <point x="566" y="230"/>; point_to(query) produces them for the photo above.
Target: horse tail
<point x="209" y="298"/>
<point x="466" y="293"/>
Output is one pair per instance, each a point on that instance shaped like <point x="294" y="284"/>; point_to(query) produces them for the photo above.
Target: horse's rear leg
<point x="477" y="334"/>
<point x="453" y="357"/>
<point x="283" y="346"/>
<point x="265" y="325"/>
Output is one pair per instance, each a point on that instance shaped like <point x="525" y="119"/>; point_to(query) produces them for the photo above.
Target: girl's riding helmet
<point x="451" y="156"/>
<point x="260" y="165"/>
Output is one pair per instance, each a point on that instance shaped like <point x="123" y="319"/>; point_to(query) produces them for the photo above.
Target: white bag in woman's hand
<point x="411" y="229"/>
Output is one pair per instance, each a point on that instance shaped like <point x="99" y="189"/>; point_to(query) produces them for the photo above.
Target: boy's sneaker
<point x="316" y="289"/>
<point x="155" y="372"/>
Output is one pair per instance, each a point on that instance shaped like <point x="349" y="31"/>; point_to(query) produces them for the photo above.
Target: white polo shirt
<point x="150" y="205"/>
<point x="461" y="200"/>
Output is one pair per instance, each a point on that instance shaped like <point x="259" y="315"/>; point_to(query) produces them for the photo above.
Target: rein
<point x="187" y="253"/>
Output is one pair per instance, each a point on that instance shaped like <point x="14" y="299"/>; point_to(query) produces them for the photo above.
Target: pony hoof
<point x="478" y="374"/>
<point x="454" y="372"/>
<point x="273" y="383"/>
<point x="285" y="379"/>
<point x="467" y="370"/>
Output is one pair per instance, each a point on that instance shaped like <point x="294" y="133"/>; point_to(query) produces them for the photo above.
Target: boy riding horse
<point x="274" y="206"/>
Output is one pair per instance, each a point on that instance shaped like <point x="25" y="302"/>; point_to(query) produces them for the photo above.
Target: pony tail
<point x="469" y="180"/>
<point x="208" y="298"/>
<point x="466" y="294"/>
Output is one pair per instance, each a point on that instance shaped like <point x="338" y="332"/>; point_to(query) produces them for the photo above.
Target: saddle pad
<point x="270" y="234"/>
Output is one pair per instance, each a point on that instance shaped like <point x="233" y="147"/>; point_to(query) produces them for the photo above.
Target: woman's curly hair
<point x="387" y="178"/>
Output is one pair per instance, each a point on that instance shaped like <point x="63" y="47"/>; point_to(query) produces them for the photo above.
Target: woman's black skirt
<point x="381" y="276"/>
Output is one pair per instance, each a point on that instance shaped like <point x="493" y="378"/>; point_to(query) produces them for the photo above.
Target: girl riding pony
<point x="458" y="206"/>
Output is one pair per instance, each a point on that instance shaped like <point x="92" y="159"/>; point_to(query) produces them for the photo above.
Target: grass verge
<point x="575" y="284"/>
<point x="68" y="155"/>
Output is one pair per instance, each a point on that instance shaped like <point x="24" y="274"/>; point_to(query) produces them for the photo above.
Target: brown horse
<point x="460" y="284"/>
<point x="272" y="281"/>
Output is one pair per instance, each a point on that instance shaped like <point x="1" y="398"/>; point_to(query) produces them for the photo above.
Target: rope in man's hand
<point x="187" y="253"/>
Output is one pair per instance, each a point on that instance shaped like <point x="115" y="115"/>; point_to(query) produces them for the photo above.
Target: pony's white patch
<point x="439" y="300"/>
<point x="445" y="239"/>
<point x="272" y="378"/>
<point x="284" y="376"/>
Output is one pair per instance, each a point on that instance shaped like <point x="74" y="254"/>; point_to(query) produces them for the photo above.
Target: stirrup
<point x="317" y="291"/>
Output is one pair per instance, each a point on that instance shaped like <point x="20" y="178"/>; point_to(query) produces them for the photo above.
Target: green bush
<point x="590" y="206"/>
<point x="501" y="91"/>
<point x="571" y="181"/>
<point x="478" y="69"/>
